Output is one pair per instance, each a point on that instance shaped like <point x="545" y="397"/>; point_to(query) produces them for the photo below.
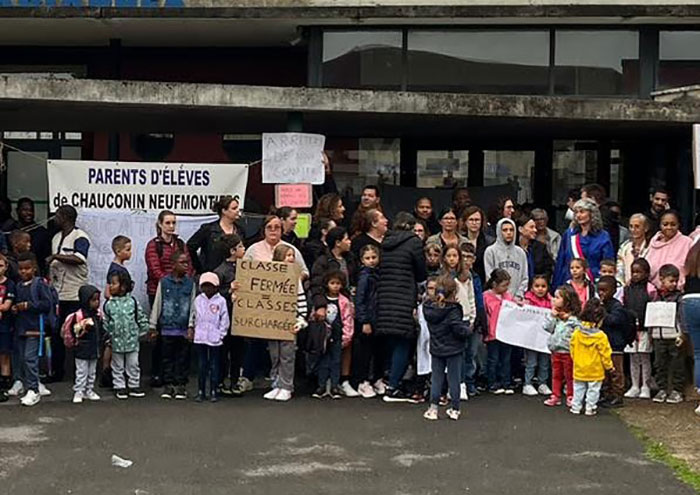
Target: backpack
<point x="67" y="334"/>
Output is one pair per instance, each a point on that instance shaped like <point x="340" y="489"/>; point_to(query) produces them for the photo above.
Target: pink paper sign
<point x="294" y="195"/>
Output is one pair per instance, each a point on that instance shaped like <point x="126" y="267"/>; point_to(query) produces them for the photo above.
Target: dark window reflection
<point x="679" y="58"/>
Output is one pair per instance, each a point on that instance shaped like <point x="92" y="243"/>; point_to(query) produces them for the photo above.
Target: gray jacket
<point x="510" y="258"/>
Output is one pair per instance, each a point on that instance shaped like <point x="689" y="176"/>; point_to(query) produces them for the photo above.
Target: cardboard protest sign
<point x="266" y="300"/>
<point x="523" y="326"/>
<point x="660" y="314"/>
<point x="293" y="157"/>
<point x="293" y="195"/>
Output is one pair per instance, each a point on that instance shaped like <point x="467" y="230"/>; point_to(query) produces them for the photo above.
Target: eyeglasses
<point x="273" y="227"/>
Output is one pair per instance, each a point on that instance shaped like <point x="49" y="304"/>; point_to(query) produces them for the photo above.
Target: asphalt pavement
<point x="501" y="445"/>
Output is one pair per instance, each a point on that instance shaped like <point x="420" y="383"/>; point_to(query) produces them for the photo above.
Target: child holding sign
<point x="283" y="352"/>
<point x="538" y="296"/>
<point x="498" y="361"/>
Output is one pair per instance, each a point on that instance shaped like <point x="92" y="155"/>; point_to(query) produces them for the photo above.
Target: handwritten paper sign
<point x="266" y="301"/>
<point x="293" y="195"/>
<point x="523" y="326"/>
<point x="660" y="314"/>
<point x="303" y="225"/>
<point x="293" y="157"/>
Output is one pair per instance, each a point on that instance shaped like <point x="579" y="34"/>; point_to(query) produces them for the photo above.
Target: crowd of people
<point x="405" y="309"/>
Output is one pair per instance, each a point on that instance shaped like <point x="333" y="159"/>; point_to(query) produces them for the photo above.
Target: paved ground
<point x="503" y="445"/>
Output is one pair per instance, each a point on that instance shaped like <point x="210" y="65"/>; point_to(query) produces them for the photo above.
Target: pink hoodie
<point x="662" y="252"/>
<point x="541" y="302"/>
<point x="492" y="302"/>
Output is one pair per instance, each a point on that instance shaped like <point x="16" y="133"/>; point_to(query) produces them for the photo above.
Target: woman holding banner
<point x="206" y="246"/>
<point x="585" y="239"/>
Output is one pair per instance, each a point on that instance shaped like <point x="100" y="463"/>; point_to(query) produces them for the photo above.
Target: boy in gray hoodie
<point x="506" y="255"/>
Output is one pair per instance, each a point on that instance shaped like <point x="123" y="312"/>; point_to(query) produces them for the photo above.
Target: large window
<point x="362" y="59"/>
<point x="596" y="63"/>
<point x="505" y="62"/>
<point x="679" y="58"/>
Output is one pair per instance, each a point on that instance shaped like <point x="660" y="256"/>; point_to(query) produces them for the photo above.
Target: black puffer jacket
<point x="448" y="332"/>
<point x="402" y="268"/>
<point x="324" y="264"/>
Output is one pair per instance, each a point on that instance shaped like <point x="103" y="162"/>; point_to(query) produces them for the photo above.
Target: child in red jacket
<point x="538" y="296"/>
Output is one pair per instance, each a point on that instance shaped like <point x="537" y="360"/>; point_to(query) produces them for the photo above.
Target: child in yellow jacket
<point x="591" y="354"/>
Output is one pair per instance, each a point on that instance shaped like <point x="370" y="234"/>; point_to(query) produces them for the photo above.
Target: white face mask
<point x="569" y="214"/>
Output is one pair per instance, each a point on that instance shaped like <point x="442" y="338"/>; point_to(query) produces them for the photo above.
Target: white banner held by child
<point x="293" y="157"/>
<point x="660" y="314"/>
<point x="523" y="326"/>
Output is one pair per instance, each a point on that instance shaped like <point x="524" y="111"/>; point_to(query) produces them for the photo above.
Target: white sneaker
<point x="529" y="390"/>
<point x="31" y="399"/>
<point x="366" y="391"/>
<point x="16" y="390"/>
<point x="92" y="395"/>
<point x="697" y="410"/>
<point x="283" y="395"/>
<point x="452" y="414"/>
<point x="380" y="387"/>
<point x="272" y="394"/>
<point x="43" y="391"/>
<point x="543" y="389"/>
<point x="347" y="390"/>
<point x="78" y="398"/>
<point x="645" y="393"/>
<point x="463" y="395"/>
<point x="632" y="393"/>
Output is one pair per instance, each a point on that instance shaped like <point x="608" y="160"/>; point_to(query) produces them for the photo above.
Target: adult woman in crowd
<point x="449" y="234"/>
<point x="206" y="247"/>
<point x="289" y="218"/>
<point x="402" y="268"/>
<point x="504" y="207"/>
<point x="315" y="244"/>
<point x="668" y="246"/>
<point x="373" y="226"/>
<point x="585" y="238"/>
<point x="159" y="252"/>
<point x="539" y="262"/>
<point x="421" y="230"/>
<point x="635" y="247"/>
<point x="690" y="306"/>
<point x="272" y="237"/>
<point x="474" y="230"/>
<point x="331" y="206"/>
<point x="424" y="211"/>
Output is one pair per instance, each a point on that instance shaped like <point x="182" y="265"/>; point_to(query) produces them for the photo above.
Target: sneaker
<point x="697" y="410"/>
<point x="121" y="394"/>
<point x="244" y="385"/>
<point x="214" y="396"/>
<point x="509" y="391"/>
<point x="553" y="401"/>
<point x="452" y="414"/>
<point x="613" y="403"/>
<point x="530" y="391"/>
<point x="43" y="391"/>
<point x="575" y="411"/>
<point x="92" y="396"/>
<point x="444" y="400"/>
<point x="347" y="390"/>
<point x="380" y="387"/>
<point x="463" y="395"/>
<point x="543" y="389"/>
<point x="569" y="401"/>
<point x="32" y="398"/>
<point x="319" y="393"/>
<point x="168" y="392"/>
<point x="283" y="395"/>
<point x="137" y="393"/>
<point x="201" y="396"/>
<point x="472" y="391"/>
<point x="497" y="390"/>
<point x="660" y="397"/>
<point x="417" y="398"/>
<point x="78" y="398"/>
<point x="336" y="393"/>
<point x="431" y="414"/>
<point x="644" y="393"/>
<point x="181" y="393"/>
<point x="4" y="397"/>
<point x="226" y="390"/>
<point x="366" y="391"/>
<point x="272" y="394"/>
<point x="591" y="411"/>
<point x="674" y="397"/>
<point x="632" y="393"/>
<point x="396" y="395"/>
<point x="16" y="390"/>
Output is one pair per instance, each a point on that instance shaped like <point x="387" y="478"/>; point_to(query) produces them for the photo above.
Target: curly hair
<point x="596" y="218"/>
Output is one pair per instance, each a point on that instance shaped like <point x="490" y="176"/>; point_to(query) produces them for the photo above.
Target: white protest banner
<point x="696" y="155"/>
<point x="140" y="227"/>
<point x="185" y="188"/>
<point x="660" y="314"/>
<point x="293" y="157"/>
<point x="523" y="326"/>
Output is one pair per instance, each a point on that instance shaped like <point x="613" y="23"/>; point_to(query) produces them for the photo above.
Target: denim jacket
<point x="172" y="306"/>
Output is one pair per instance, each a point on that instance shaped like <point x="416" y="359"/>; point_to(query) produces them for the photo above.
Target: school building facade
<point x="544" y="96"/>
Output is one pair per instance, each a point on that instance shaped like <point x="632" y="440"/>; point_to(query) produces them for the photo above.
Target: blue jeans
<point x="28" y="351"/>
<point x="539" y="360"/>
<point x="255" y="358"/>
<point x="329" y="363"/>
<point x="470" y="353"/>
<point x="454" y="373"/>
<point x="400" y="353"/>
<point x="498" y="364"/>
<point x="691" y="314"/>
<point x="209" y="366"/>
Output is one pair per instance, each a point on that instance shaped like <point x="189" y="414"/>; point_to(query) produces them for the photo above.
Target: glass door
<point x="442" y="168"/>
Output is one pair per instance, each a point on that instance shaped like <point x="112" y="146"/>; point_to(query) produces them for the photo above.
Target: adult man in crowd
<point x="68" y="270"/>
<point x="370" y="200"/>
<point x="547" y="236"/>
<point x="460" y="200"/>
<point x="659" y="202"/>
<point x="41" y="241"/>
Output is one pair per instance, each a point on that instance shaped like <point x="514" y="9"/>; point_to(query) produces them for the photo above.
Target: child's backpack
<point x="67" y="334"/>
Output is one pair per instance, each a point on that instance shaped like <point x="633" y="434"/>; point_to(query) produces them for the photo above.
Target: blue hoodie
<point x="448" y="332"/>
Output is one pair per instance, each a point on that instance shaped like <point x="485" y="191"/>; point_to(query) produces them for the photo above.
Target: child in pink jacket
<point x="498" y="360"/>
<point x="538" y="296"/>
